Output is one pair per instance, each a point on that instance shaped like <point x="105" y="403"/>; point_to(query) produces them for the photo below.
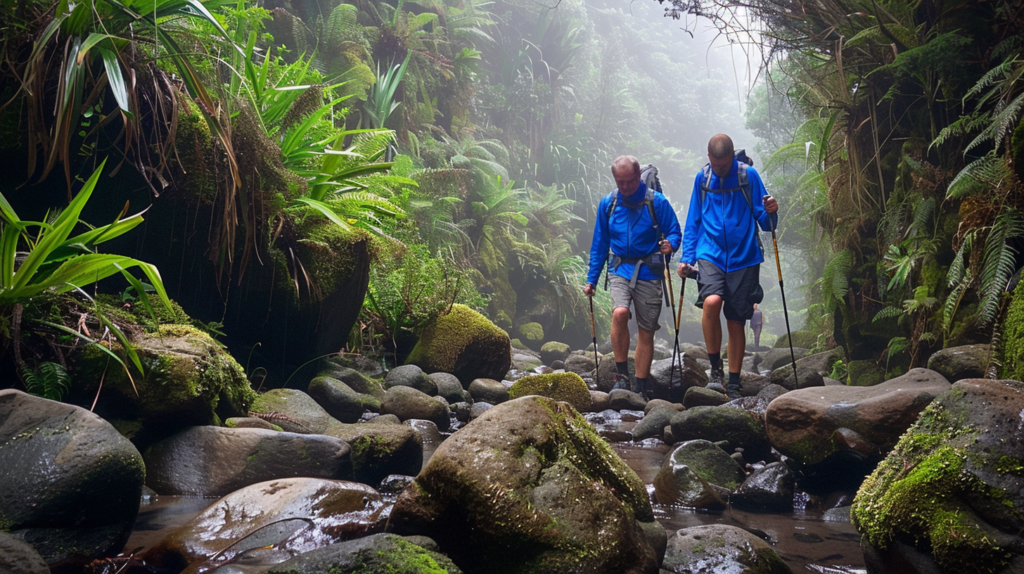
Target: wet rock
<point x="651" y="404"/>
<point x="623" y="400"/>
<point x="356" y="380"/>
<point x="702" y="397"/>
<point x="70" y="483"/>
<point x="465" y="344"/>
<point x="965" y="362"/>
<point x="606" y="371"/>
<point x="599" y="401"/>
<point x="654" y="422"/>
<point x="727" y="423"/>
<point x="408" y="403"/>
<point x="293" y="411"/>
<point x="525" y="362"/>
<point x="365" y="366"/>
<point x="780" y="357"/>
<point x="719" y="548"/>
<point x="953" y="483"/>
<point x="671" y="384"/>
<point x="803" y="424"/>
<point x="427" y="430"/>
<point x="488" y="391"/>
<point x="807" y="376"/>
<point x="568" y="387"/>
<point x="478" y="409"/>
<point x="530" y="470"/>
<point x="767" y="489"/>
<point x="449" y="387"/>
<point x="695" y="351"/>
<point x="341" y="401"/>
<point x="410" y="376"/>
<point x="379" y="553"/>
<point x="18" y="557"/>
<point x="681" y="485"/>
<point x="214" y="461"/>
<point x="837" y="514"/>
<point x="752" y="383"/>
<point x="710" y="462"/>
<point x="580" y="364"/>
<point x="296" y="514"/>
<point x="380" y="449"/>
<point x="395" y="483"/>
<point x="250" y="423"/>
<point x="553" y="351"/>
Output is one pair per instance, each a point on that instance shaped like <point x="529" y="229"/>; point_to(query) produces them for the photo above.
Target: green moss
<point x="532" y="332"/>
<point x="555" y="347"/>
<point x="1010" y="465"/>
<point x="445" y="339"/>
<point x="1013" y="337"/>
<point x="195" y="150"/>
<point x="568" y="387"/>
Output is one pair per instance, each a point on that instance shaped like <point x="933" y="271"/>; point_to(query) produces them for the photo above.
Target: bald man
<point x="720" y="240"/>
<point x="631" y="222"/>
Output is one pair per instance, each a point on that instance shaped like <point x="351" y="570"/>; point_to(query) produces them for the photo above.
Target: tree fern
<point x="998" y="262"/>
<point x="979" y="176"/>
<point x="48" y="380"/>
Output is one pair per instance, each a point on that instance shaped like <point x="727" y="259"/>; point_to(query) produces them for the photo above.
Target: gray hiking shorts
<point x="738" y="289"/>
<point x="645" y="297"/>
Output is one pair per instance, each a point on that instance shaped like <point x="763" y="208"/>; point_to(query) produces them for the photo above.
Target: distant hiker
<point x="631" y="222"/>
<point x="756" y="322"/>
<point x="721" y="240"/>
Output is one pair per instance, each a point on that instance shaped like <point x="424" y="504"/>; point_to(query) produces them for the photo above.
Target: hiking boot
<point x="621" y="382"/>
<point x="637" y="386"/>
<point x="733" y="392"/>
<point x="717" y="377"/>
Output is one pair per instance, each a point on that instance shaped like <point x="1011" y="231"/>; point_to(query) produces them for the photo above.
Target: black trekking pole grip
<point x="782" y="291"/>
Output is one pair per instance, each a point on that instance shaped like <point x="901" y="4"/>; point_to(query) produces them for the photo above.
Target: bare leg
<point x="711" y="322"/>
<point x="644" y="353"/>
<point x="737" y="341"/>
<point x="620" y="334"/>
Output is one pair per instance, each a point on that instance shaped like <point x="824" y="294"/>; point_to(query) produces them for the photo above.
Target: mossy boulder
<point x="1013" y="325"/>
<point x="721" y="548"/>
<point x="375" y="554"/>
<point x="340" y="400"/>
<point x="952" y="487"/>
<point x="963" y="362"/>
<point x="531" y="333"/>
<point x="568" y="387"/>
<point x="865" y="373"/>
<point x="554" y="351"/>
<point x="805" y="339"/>
<point x="529" y="487"/>
<point x="465" y="344"/>
<point x="189" y="379"/>
<point x="735" y="425"/>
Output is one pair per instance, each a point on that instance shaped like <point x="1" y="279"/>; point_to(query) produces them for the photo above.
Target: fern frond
<point x="48" y="380"/>
<point x="887" y="313"/>
<point x="998" y="262"/>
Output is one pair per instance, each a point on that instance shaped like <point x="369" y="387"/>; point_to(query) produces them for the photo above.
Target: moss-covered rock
<point x="554" y="351"/>
<point x="952" y="486"/>
<point x="567" y="387"/>
<point x="1013" y="330"/>
<point x="375" y="554"/>
<point x="189" y="379"/>
<point x="529" y="487"/>
<point x="806" y="339"/>
<point x="465" y="344"/>
<point x="531" y="333"/>
<point x="865" y="373"/>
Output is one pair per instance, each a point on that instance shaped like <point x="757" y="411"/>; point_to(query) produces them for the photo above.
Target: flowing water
<point x="803" y="540"/>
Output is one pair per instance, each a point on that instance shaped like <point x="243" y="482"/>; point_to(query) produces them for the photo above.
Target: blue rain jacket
<point x="630" y="233"/>
<point x="720" y="229"/>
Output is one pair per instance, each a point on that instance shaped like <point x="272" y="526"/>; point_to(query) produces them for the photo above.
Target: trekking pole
<point x="785" y="313"/>
<point x="675" y="349"/>
<point x="593" y="333"/>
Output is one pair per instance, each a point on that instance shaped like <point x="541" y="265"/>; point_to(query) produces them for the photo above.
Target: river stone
<point x="720" y="549"/>
<point x="553" y="351"/>
<point x="775" y="358"/>
<point x="709" y="461"/>
<point x="767" y="489"/>
<point x="580" y="364"/>
<point x="356" y="380"/>
<point x="341" y="401"/>
<point x="478" y="409"/>
<point x="526" y="488"/>
<point x="488" y="391"/>
<point x="568" y="387"/>
<point x="728" y="423"/>
<point x="803" y="424"/>
<point x="190" y="379"/>
<point x="293" y="411"/>
<point x="623" y="400"/>
<point x="328" y="510"/>
<point x="953" y="483"/>
<point x="380" y="449"/>
<point x="806" y="339"/>
<point x="214" y="461"/>
<point x="864" y="373"/>
<point x="465" y="344"/>
<point x="681" y="485"/>
<point x="965" y="362"/>
<point x="654" y="422"/>
<point x="375" y="554"/>
<point x="365" y="366"/>
<point x="672" y="384"/>
<point x="18" y="557"/>
<point x="250" y="423"/>
<point x="703" y="397"/>
<point x="807" y="376"/>
<point x="408" y="403"/>
<point x="449" y="387"/>
<point x="752" y="383"/>
<point x="410" y="376"/>
<point x="71" y="483"/>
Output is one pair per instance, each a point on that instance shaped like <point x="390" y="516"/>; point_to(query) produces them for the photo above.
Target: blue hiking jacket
<point x="630" y="233"/>
<point x="720" y="229"/>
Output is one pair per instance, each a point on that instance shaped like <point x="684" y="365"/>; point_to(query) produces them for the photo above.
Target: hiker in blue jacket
<point x="641" y="230"/>
<point x="728" y="202"/>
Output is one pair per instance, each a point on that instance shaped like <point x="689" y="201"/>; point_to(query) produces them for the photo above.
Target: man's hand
<point x="770" y="204"/>
<point x="666" y="247"/>
<point x="589" y="290"/>
<point x="684" y="269"/>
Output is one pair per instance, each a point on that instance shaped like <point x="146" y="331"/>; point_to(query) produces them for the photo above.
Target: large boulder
<point x="214" y="461"/>
<point x="465" y="344"/>
<point x="568" y="387"/>
<point x="375" y="554"/>
<point x="966" y="362"/>
<point x="709" y="461"/>
<point x="775" y="358"/>
<point x="380" y="449"/>
<point x="728" y="423"/>
<point x="190" y="379"/>
<point x="529" y="487"/>
<point x="325" y="511"/>
<point x="812" y="424"/>
<point x="719" y="548"/>
<point x="952" y="487"/>
<point x="70" y="484"/>
<point x="767" y="489"/>
<point x="408" y="403"/>
<point x="18" y="557"/>
<point x="340" y="400"/>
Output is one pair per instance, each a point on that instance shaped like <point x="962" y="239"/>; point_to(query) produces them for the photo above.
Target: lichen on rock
<point x="567" y="387"/>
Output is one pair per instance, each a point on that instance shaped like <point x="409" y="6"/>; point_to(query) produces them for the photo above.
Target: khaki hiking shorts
<point x="645" y="297"/>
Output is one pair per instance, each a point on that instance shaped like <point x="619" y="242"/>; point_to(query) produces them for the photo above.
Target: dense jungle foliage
<point x="291" y="154"/>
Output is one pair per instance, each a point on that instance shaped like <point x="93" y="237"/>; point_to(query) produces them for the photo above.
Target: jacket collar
<point x="637" y="197"/>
